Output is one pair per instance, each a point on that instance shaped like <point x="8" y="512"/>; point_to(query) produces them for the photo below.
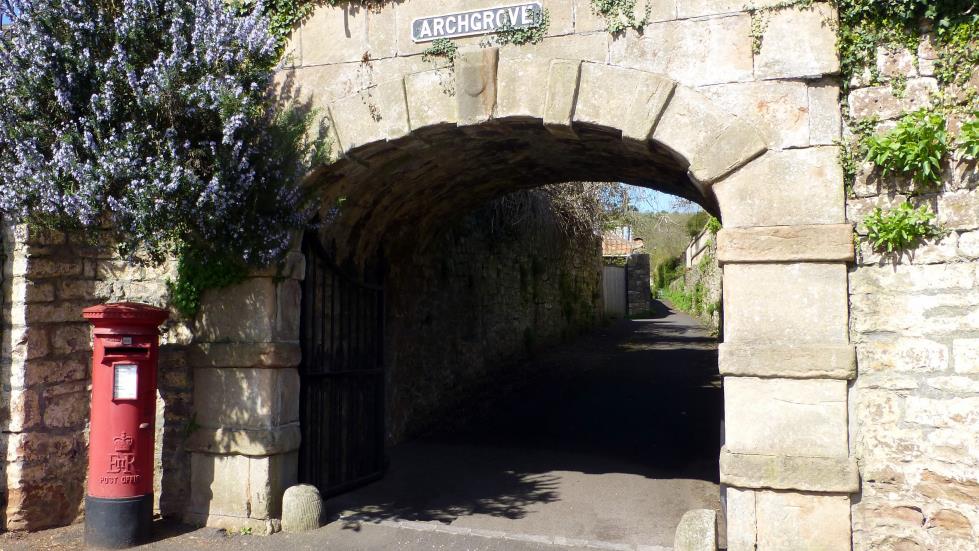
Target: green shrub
<point x="901" y="228"/>
<point x="969" y="140"/>
<point x="914" y="148"/>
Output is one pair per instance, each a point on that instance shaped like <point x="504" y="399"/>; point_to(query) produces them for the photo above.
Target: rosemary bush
<point x="153" y="117"/>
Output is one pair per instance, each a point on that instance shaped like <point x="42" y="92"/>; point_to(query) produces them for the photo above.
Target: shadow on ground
<point x="622" y="425"/>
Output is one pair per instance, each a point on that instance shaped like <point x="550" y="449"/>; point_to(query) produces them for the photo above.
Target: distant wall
<point x="473" y="303"/>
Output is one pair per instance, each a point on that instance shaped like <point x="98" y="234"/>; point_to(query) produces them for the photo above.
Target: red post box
<point x="119" y="501"/>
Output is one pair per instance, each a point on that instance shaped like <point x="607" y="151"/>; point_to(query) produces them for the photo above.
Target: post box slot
<point x="126" y="351"/>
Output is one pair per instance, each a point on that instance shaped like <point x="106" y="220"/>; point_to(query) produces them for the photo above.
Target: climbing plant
<point x="508" y="34"/>
<point x="901" y="228"/>
<point x="440" y="48"/>
<point x="914" y="148"/>
<point x="968" y="143"/>
<point x="620" y="15"/>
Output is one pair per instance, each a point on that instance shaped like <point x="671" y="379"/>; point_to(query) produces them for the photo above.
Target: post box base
<point x="117" y="523"/>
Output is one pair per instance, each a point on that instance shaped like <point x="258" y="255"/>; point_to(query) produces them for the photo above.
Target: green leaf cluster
<point x="440" y="47"/>
<point x="508" y="34"/>
<point x="865" y="25"/>
<point x="914" y="148"/>
<point x="969" y="140"/>
<point x="901" y="228"/>
<point x="197" y="272"/>
<point x="620" y="14"/>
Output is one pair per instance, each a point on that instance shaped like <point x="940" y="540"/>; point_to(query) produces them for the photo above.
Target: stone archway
<point x="785" y="247"/>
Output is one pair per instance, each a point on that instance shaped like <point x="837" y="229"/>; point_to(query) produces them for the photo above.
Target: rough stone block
<point x="805" y="418"/>
<point x="802" y="522"/>
<point x="961" y="413"/>
<point x="302" y="508"/>
<point x="256" y="310"/>
<point x="799" y="42"/>
<point x="697" y="531"/>
<point x="825" y="119"/>
<point x="784" y="188"/>
<point x="965" y="354"/>
<point x="344" y="34"/>
<point x="246" y="398"/>
<point x="780" y="110"/>
<point x="430" y="99"/>
<point x="787" y="362"/>
<point x="248" y="442"/>
<point x="885" y="103"/>
<point x="791" y="304"/>
<point x="237" y="486"/>
<point x="959" y="210"/>
<point x="884" y="280"/>
<point x="268" y="478"/>
<point x="903" y="355"/>
<point x="372" y="115"/>
<point x="70" y="337"/>
<point x="692" y="52"/>
<point x="267" y="355"/>
<point x="812" y="243"/>
<point x="476" y="85"/>
<point x="635" y="111"/>
<point x="66" y="405"/>
<point x="562" y="93"/>
<point x="740" y="518"/>
<point x="779" y="472"/>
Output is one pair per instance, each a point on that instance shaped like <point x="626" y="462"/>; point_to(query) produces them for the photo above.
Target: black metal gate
<point x="342" y="377"/>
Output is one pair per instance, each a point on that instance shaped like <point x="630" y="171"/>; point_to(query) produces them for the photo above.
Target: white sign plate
<point x="124" y="382"/>
<point x="472" y="23"/>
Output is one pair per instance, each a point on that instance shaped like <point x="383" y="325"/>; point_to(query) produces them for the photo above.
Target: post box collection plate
<point x="125" y="381"/>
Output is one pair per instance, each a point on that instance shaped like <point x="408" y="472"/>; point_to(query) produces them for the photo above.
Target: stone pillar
<point x="246" y="400"/>
<point x="786" y="360"/>
<point x="638" y="292"/>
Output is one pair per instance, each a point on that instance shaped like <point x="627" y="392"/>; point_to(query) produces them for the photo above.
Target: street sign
<point x="477" y="22"/>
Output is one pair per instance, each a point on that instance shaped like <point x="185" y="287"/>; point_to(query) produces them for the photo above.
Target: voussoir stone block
<point x="786" y="417"/>
<point x="430" y="99"/>
<point x="476" y="85"/>
<point x="788" y="361"/>
<point x="375" y="114"/>
<point x="781" y="472"/>
<point x="697" y="531"/>
<point x="810" y="243"/>
<point x="791" y="304"/>
<point x="738" y="143"/>
<point x="523" y="73"/>
<point x="302" y="508"/>
<point x="562" y="93"/>
<point x="635" y="110"/>
<point x="689" y="123"/>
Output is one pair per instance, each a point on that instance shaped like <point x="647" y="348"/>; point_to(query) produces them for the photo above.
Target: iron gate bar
<point x="341" y="375"/>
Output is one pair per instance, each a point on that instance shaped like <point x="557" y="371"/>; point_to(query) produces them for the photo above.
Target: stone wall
<point x="701" y="280"/>
<point x="915" y="405"/>
<point x="473" y="303"/>
<point x="46" y="368"/>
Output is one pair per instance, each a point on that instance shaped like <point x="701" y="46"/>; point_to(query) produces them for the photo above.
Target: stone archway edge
<point x="711" y="141"/>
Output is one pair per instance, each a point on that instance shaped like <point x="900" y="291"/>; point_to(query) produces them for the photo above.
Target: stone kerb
<point x="246" y="389"/>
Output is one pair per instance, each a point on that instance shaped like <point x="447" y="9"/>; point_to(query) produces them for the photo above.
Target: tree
<point x="152" y="117"/>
